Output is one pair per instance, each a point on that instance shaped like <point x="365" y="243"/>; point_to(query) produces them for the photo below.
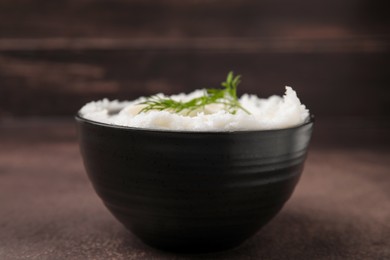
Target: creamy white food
<point x="274" y="112"/>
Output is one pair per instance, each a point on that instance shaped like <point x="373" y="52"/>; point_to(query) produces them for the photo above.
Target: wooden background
<point x="57" y="55"/>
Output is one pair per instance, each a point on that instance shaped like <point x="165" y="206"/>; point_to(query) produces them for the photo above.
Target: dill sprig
<point x="227" y="96"/>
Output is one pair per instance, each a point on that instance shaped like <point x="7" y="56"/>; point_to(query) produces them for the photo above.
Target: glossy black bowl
<point x="193" y="191"/>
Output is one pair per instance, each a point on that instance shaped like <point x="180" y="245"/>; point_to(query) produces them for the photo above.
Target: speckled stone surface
<point x="48" y="209"/>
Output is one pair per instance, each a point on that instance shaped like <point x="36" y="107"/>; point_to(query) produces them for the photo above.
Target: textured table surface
<point x="339" y="210"/>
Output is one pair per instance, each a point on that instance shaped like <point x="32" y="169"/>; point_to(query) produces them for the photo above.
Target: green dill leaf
<point x="227" y="96"/>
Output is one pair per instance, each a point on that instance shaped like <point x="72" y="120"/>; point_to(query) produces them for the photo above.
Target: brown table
<point x="340" y="209"/>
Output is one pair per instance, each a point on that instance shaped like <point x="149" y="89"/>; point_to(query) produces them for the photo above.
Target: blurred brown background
<point x="57" y="55"/>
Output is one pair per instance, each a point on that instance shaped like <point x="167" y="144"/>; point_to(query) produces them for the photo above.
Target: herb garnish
<point x="227" y="96"/>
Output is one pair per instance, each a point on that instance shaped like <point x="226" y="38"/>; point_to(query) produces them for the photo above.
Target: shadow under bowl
<point x="193" y="192"/>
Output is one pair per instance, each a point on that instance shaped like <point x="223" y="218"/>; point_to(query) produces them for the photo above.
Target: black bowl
<point x="193" y="191"/>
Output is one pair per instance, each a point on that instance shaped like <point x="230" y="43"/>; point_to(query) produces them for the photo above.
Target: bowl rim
<point x="309" y="120"/>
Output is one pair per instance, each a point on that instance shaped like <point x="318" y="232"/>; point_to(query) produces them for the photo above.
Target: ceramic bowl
<point x="193" y="191"/>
